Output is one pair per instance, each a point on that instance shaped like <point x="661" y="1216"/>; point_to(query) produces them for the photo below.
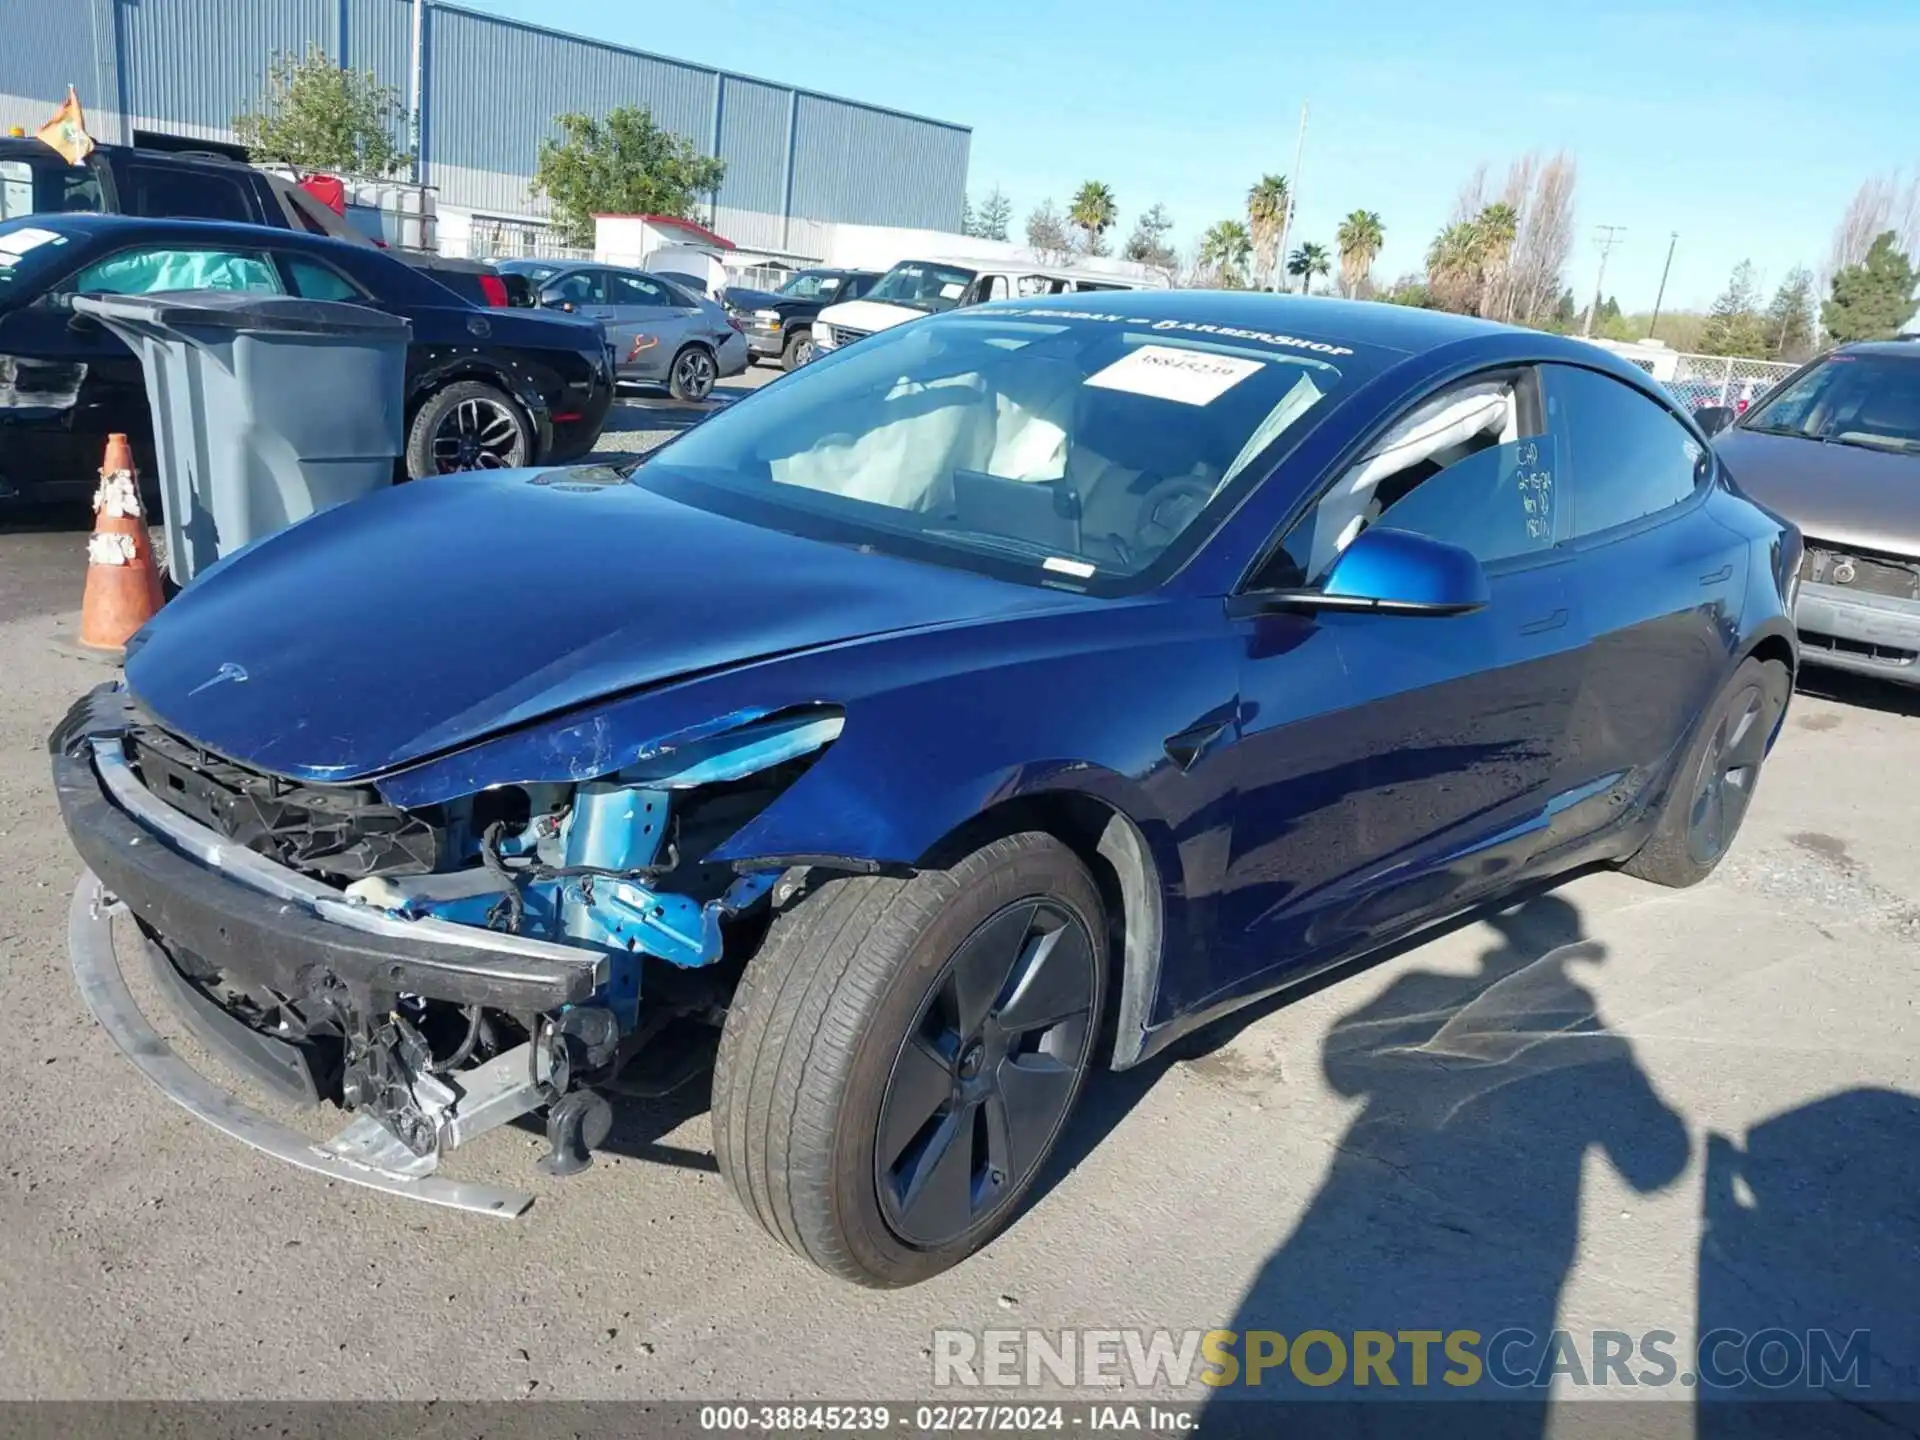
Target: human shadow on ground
<point x="1451" y="1206"/>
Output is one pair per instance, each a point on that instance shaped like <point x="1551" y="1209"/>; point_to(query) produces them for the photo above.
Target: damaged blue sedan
<point x="993" y="701"/>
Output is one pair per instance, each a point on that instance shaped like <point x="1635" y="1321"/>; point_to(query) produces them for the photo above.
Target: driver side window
<point x="1473" y="466"/>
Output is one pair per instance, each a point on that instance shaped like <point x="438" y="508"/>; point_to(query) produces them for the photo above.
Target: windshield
<point x="50" y="186"/>
<point x="1867" y="400"/>
<point x="28" y="251"/>
<point x="1069" y="446"/>
<point x="810" y="285"/>
<point x="922" y="286"/>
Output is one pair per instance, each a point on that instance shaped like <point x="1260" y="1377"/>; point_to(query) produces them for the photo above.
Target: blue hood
<point x="437" y="613"/>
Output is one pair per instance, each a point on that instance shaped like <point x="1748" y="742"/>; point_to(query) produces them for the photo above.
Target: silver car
<point x="1835" y="448"/>
<point x="660" y="333"/>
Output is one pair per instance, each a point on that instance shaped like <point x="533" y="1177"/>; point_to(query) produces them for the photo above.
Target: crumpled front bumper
<point x="259" y="920"/>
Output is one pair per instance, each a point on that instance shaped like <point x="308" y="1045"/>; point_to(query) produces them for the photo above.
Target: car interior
<point x="1038" y="456"/>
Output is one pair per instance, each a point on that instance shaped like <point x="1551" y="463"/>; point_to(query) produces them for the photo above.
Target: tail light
<point x="495" y="289"/>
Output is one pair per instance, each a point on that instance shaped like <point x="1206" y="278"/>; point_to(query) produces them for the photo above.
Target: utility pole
<point x="1609" y="236"/>
<point x="1293" y="199"/>
<point x="416" y="84"/>
<point x="1661" y="294"/>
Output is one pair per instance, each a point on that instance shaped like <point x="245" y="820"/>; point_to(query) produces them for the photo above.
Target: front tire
<point x="470" y="425"/>
<point x="799" y="350"/>
<point x="901" y="1056"/>
<point x="1715" y="782"/>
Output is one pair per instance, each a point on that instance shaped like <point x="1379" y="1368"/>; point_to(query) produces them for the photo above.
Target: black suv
<point x="779" y="323"/>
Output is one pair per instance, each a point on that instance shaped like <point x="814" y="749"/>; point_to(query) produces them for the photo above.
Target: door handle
<point x="1544" y="623"/>
<point x="1718" y="577"/>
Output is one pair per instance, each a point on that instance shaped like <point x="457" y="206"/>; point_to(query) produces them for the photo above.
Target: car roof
<point x="1907" y="347"/>
<point x="1365" y="322"/>
<point x="89" y="224"/>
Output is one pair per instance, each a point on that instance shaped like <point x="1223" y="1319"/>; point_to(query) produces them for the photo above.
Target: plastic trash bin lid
<point x="244" y="310"/>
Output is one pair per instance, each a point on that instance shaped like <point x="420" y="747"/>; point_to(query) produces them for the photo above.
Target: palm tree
<point x="1453" y="266"/>
<point x="1267" y="204"/>
<point x="1360" y="237"/>
<point x="1224" y="250"/>
<point x="1092" y="213"/>
<point x="1497" y="224"/>
<point x="1308" y="261"/>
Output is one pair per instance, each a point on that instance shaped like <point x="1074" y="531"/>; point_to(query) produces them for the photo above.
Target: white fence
<point x="1697" y="380"/>
<point x="497" y="239"/>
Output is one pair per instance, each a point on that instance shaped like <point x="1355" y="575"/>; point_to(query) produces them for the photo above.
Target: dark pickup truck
<point x="175" y="185"/>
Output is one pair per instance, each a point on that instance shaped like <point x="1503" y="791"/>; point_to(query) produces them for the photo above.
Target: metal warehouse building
<point x="488" y="89"/>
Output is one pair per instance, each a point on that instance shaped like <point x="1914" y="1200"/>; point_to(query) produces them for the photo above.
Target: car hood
<point x="741" y="298"/>
<point x="869" y="315"/>
<point x="422" y="618"/>
<point x="1838" y="493"/>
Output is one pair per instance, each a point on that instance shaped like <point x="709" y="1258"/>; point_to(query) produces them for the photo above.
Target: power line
<point x="1607" y="236"/>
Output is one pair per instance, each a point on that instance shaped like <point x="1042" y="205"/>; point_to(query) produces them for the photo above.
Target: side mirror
<point x="1387" y="572"/>
<point x="1714" y="418"/>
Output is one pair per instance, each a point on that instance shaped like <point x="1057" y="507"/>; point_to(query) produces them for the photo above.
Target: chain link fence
<point x="519" y="240"/>
<point x="1732" y="380"/>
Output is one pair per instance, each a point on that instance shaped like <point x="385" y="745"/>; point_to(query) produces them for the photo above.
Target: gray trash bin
<point x="266" y="408"/>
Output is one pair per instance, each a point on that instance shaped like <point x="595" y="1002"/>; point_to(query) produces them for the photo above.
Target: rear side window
<point x="1629" y="457"/>
<point x="314" y="281"/>
<point x="46" y="187"/>
<point x="186" y="193"/>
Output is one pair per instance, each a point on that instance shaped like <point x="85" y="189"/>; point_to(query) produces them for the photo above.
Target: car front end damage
<point x="437" y="970"/>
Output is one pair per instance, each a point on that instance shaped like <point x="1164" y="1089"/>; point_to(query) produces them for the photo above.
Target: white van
<point x="921" y="287"/>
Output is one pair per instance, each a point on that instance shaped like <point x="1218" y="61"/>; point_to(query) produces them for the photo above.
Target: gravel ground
<point x="1614" y="1107"/>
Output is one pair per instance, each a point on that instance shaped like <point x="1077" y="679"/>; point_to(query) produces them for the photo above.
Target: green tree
<point x="1565" y="311"/>
<point x="1789" y="318"/>
<point x="1453" y="267"/>
<point x="623" y="164"/>
<point x="966" y="216"/>
<point x="1874" y="299"/>
<point x="994" y="216"/>
<point x="1495" y="228"/>
<point x="1359" y="238"/>
<point x="1307" y="261"/>
<point x="1224" y="252"/>
<point x="316" y="115"/>
<point x="1267" y="204"/>
<point x="1092" y="214"/>
<point x="1147" y="245"/>
<point x="1733" y="324"/>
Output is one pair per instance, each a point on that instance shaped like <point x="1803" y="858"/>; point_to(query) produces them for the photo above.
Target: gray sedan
<point x="661" y="334"/>
<point x="1836" y="450"/>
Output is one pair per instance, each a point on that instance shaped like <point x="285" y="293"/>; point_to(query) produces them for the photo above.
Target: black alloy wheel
<point x="987" y="1073"/>
<point x="1729" y="767"/>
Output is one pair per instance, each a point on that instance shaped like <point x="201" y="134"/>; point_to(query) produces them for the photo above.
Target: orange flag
<point x="66" y="132"/>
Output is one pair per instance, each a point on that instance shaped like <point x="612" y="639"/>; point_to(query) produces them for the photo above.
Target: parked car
<point x="195" y="185"/>
<point x="924" y="287"/>
<point x="660" y="333"/>
<point x="1835" y="447"/>
<point x="779" y="323"/>
<point x="992" y="702"/>
<point x="484" y="387"/>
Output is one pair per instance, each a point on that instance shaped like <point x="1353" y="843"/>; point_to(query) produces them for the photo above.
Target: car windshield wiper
<point x="1004" y="544"/>
<point x="1787" y="430"/>
<point x="1889" y="444"/>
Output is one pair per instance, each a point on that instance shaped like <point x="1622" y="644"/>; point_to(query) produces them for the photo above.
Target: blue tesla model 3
<point x="994" y="700"/>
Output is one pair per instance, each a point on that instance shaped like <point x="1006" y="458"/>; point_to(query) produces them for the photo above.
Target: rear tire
<point x="469" y="425"/>
<point x="902" y="1054"/>
<point x="1714" y="785"/>
<point x="693" y="373"/>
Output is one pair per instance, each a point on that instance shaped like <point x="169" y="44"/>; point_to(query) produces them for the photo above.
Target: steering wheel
<point x="1169" y="508"/>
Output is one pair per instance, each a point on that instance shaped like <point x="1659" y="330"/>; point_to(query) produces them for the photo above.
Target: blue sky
<point x="1743" y="124"/>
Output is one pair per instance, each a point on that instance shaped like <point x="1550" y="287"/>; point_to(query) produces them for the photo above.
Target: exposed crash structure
<point x="464" y="962"/>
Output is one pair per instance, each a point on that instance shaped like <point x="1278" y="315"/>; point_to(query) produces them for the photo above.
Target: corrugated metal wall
<point x="185" y="67"/>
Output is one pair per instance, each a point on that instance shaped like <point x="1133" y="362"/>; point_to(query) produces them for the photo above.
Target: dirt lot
<point x="1715" y="1095"/>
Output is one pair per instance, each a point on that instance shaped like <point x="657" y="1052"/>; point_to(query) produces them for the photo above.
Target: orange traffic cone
<point x="123" y="583"/>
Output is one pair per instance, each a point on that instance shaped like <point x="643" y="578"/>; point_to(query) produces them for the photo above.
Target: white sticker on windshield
<point x="21" y="241"/>
<point x="1192" y="377"/>
<point x="951" y="290"/>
